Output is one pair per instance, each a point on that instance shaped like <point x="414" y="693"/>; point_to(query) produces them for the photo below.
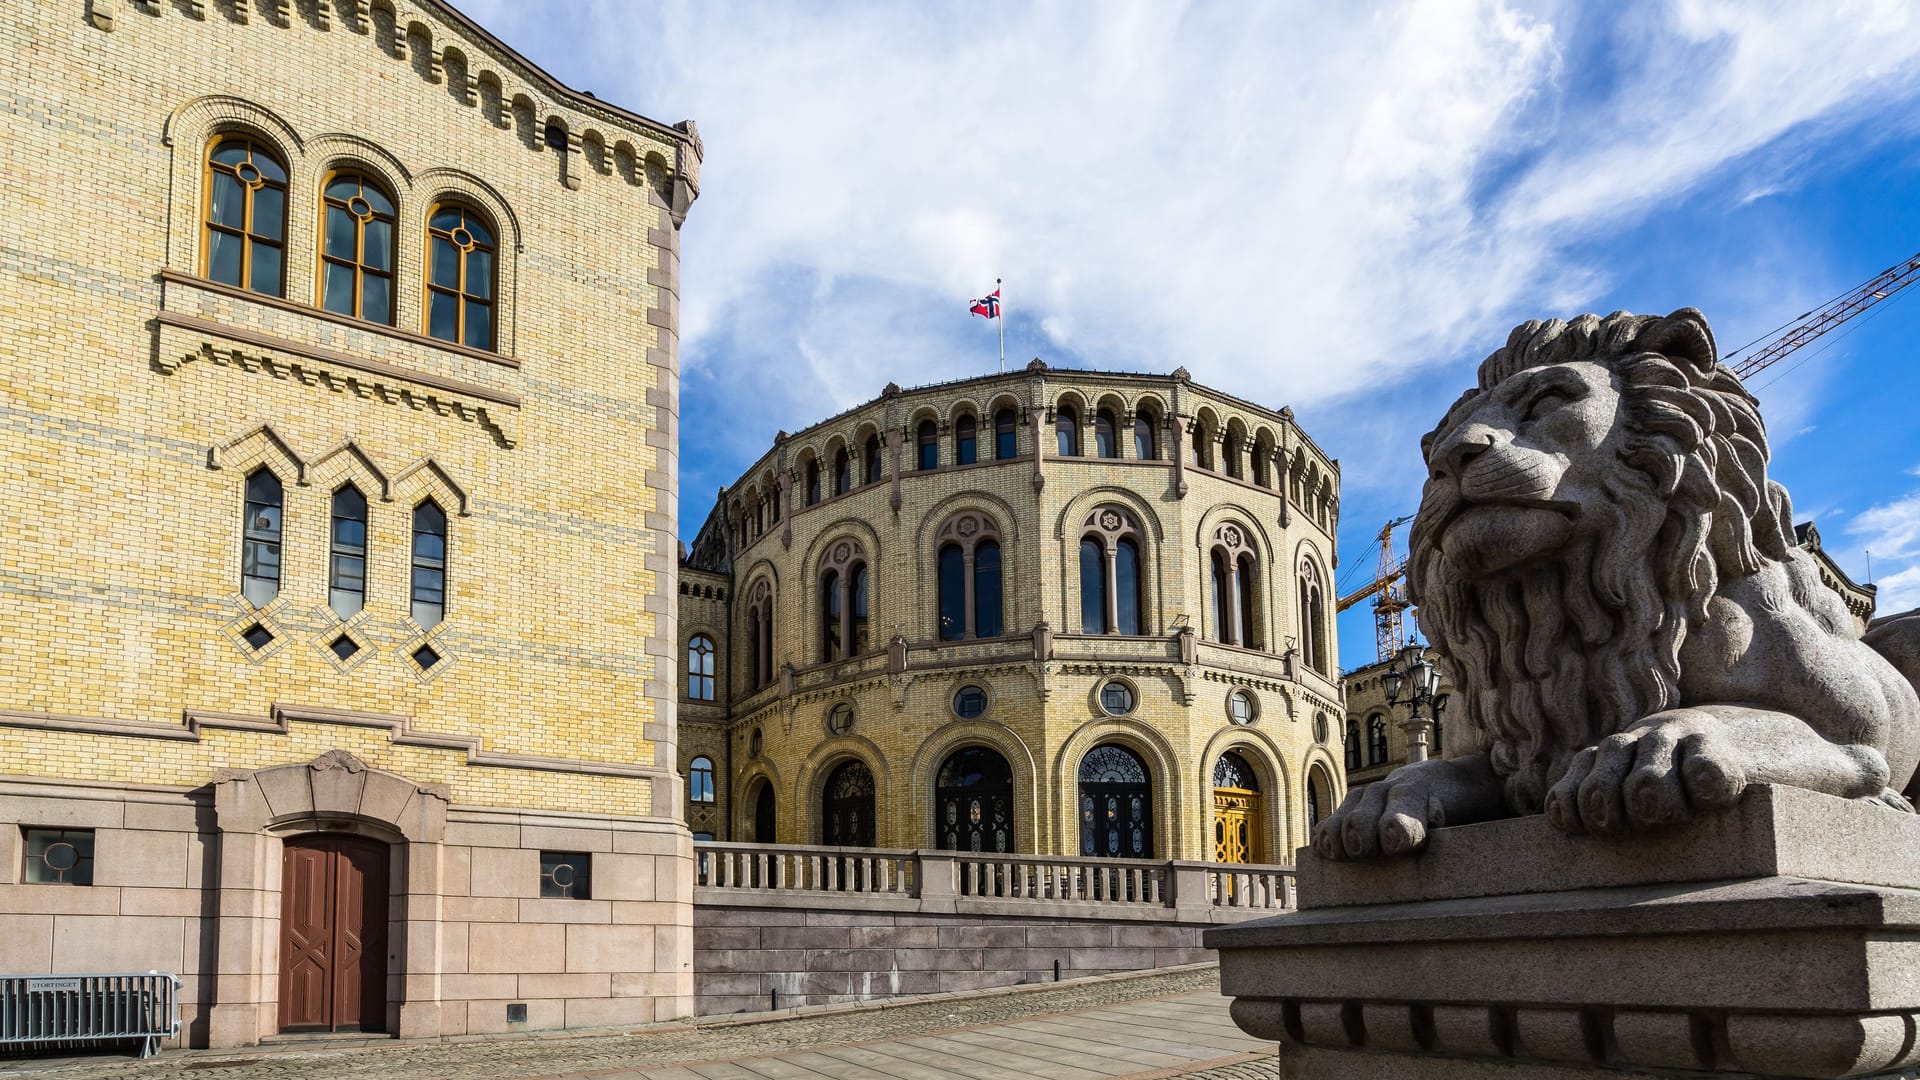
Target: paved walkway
<point x="1164" y="1025"/>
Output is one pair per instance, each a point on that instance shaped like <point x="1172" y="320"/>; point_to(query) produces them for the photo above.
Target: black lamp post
<point x="1419" y="682"/>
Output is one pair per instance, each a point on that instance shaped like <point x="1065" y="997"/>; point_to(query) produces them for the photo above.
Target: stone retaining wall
<point x="812" y="956"/>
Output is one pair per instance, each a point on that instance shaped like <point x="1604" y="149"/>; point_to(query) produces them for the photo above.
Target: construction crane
<point x="1390" y="605"/>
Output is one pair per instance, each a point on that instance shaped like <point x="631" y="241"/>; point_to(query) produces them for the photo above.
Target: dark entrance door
<point x="847" y="807"/>
<point x="333" y="934"/>
<point x="763" y="815"/>
<point x="973" y="802"/>
<point x="1116" y="804"/>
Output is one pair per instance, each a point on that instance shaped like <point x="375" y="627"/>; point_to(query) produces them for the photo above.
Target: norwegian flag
<point x="987" y="306"/>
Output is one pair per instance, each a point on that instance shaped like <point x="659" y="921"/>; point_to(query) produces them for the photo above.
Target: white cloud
<point x="1294" y="201"/>
<point x="1891" y="531"/>
<point x="1899" y="592"/>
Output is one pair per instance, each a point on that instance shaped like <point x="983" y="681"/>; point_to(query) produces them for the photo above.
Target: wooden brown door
<point x="333" y="935"/>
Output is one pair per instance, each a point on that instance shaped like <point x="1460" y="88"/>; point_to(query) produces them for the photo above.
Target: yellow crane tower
<point x="1390" y="607"/>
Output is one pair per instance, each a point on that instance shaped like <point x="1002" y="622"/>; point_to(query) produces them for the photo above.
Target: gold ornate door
<point x="1236" y="816"/>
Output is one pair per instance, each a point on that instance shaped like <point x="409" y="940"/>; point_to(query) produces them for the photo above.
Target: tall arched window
<point x="1319" y="795"/>
<point x="1110" y="573"/>
<point x="844" y="601"/>
<point x="1249" y="587"/>
<point x="347" y="554"/>
<point x="1353" y="745"/>
<point x="1231" y="564"/>
<point x="700" y="781"/>
<point x="1066" y="429"/>
<point x="873" y="462"/>
<point x="460" y="276"/>
<point x="759" y="635"/>
<point x="260" y="538"/>
<point x="842" y="472"/>
<point x="968" y="553"/>
<point x="429" y="564"/>
<point x="1230" y="453"/>
<point x="700" y="668"/>
<point x="1005" y="441"/>
<point x="1116" y="804"/>
<point x="966" y="442"/>
<point x="357" y="253"/>
<point x="1144" y="446"/>
<point x="1201" y="450"/>
<point x="1219" y="596"/>
<point x="1263" y="461"/>
<point x="1106" y="435"/>
<point x="246" y="225"/>
<point x="1377" y="740"/>
<point x="1313" y="615"/>
<point x="813" y="481"/>
<point x="973" y="802"/>
<point x="927" y="455"/>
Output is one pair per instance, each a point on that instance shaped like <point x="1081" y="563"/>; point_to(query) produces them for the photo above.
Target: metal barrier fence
<point x="90" y="1008"/>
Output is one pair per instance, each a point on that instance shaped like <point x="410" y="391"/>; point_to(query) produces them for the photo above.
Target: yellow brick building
<point x="1047" y="611"/>
<point x="337" y="644"/>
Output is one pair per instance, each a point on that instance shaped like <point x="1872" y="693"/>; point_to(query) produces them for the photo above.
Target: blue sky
<point x="1337" y="207"/>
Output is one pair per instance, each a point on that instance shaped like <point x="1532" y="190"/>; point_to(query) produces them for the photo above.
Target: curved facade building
<point x="1048" y="611"/>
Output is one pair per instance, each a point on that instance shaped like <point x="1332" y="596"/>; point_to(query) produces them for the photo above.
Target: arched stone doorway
<point x="846" y="807"/>
<point x="1319" y="796"/>
<point x="1237" y="812"/>
<point x="764" y="818"/>
<point x="973" y="802"/>
<point x="1116" y="804"/>
<point x="333" y="933"/>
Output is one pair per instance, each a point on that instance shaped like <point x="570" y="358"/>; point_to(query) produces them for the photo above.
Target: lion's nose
<point x="1452" y="457"/>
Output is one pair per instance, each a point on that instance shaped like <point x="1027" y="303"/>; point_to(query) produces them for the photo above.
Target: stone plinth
<point x="1781" y="938"/>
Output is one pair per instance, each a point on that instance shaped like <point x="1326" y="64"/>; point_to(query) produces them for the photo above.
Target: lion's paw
<point x="1390" y="816"/>
<point x="1653" y="776"/>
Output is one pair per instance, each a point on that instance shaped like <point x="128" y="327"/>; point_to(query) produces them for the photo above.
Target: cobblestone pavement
<point x="1163" y="1025"/>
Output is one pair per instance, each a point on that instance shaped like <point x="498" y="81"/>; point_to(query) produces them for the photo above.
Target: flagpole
<point x="1002" y="320"/>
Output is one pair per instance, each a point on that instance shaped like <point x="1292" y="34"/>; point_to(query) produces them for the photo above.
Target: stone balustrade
<point x="942" y="882"/>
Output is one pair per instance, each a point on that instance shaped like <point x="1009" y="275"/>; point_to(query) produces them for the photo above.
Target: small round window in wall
<point x="1320" y="727"/>
<point x="1117" y="698"/>
<point x="1240" y="707"/>
<point x="840" y="719"/>
<point x="970" y="702"/>
<point x="753" y="743"/>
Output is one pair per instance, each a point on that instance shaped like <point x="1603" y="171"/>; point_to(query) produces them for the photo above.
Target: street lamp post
<point x="1416" y="677"/>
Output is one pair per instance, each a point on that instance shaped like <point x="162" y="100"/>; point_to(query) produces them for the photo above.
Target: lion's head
<point x="1583" y="504"/>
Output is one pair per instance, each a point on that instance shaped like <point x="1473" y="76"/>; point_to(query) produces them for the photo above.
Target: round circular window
<point x="840" y="719"/>
<point x="970" y="702"/>
<point x="1320" y="728"/>
<point x="1117" y="698"/>
<point x="753" y="743"/>
<point x="1240" y="708"/>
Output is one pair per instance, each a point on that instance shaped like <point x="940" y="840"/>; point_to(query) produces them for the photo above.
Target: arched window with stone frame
<point x="1376" y="740"/>
<point x="1006" y="435"/>
<point x="1233" y="566"/>
<point x="926" y="446"/>
<point x="1066" y="428"/>
<point x="1146" y="443"/>
<point x="844" y="596"/>
<point x="966" y="440"/>
<point x="812" y="478"/>
<point x="1200" y="445"/>
<point x="245" y="228"/>
<point x="870" y="455"/>
<point x="1313" y="617"/>
<point x="1106" y="434"/>
<point x="1111" y="585"/>
<point x="1353" y="745"/>
<point x="759" y="634"/>
<point x="842" y="471"/>
<point x="1233" y="450"/>
<point x="968" y="585"/>
<point x="700" y="668"/>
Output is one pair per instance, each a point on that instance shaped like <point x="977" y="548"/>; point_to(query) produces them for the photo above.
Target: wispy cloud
<point x="1892" y="533"/>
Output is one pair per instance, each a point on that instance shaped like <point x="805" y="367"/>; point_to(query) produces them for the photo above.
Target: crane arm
<point x="1817" y="322"/>
<point x="1371" y="588"/>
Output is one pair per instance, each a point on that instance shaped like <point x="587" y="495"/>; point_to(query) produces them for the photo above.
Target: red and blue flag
<point x="988" y="305"/>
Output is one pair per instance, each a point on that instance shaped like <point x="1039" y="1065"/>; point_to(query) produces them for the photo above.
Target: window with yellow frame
<point x="246" y="215"/>
<point x="357" y="248"/>
<point x="460" y="276"/>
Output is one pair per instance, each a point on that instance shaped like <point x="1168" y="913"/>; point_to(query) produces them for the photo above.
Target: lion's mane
<point x="1555" y="657"/>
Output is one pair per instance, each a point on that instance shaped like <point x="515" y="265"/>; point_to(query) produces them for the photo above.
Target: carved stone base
<point x="1785" y="963"/>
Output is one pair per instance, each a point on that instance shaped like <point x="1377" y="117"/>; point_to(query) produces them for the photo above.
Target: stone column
<point x="1233" y="603"/>
<point x="1175" y="429"/>
<point x="966" y="565"/>
<point x="893" y="454"/>
<point x="1113" y="588"/>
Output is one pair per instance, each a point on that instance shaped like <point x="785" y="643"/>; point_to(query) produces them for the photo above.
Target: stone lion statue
<point x="1612" y="583"/>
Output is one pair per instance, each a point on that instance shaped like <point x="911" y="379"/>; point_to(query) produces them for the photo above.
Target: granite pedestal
<point x="1780" y="938"/>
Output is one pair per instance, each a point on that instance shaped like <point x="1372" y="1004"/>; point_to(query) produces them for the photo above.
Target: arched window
<point x="778" y="496"/>
<point x="968" y="580"/>
<point x="764" y="816"/>
<point x="1144" y="446"/>
<point x="845" y="598"/>
<point x="347" y="574"/>
<point x="953" y="593"/>
<point x="1230" y="451"/>
<point x="1376" y="740"/>
<point x="700" y="668"/>
<point x="260" y="538"/>
<point x="1202" y="450"/>
<point x="357" y="253"/>
<point x="1005" y="443"/>
<point x="966" y="443"/>
<point x="1313" y="616"/>
<point x="1263" y="462"/>
<point x="760" y="635"/>
<point x="1248" y="583"/>
<point x="927" y="436"/>
<point x="1319" y="795"/>
<point x="830" y="616"/>
<point x="429" y="564"/>
<point x="700" y="781"/>
<point x="847" y="807"/>
<point x="973" y="802"/>
<point x="813" y="481"/>
<point x="1110" y="573"/>
<point x="1116" y="804"/>
<point x="1220" y="594"/>
<point x="246" y="223"/>
<point x="1106" y="435"/>
<point x="460" y="276"/>
<point x="1066" y="428"/>
<point x="872" y="455"/>
<point x="1353" y="745"/>
<point x="842" y="472"/>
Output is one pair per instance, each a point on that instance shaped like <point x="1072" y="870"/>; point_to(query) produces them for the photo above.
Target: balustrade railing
<point x="1058" y="884"/>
